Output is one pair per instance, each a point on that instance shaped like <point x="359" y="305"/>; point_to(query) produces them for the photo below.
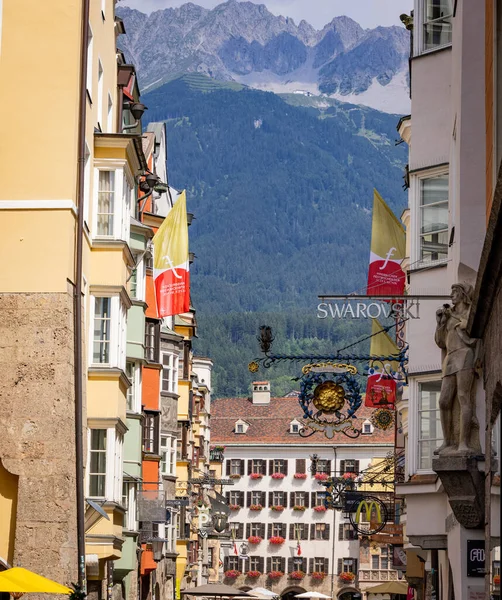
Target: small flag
<point x="298" y="548"/>
<point x="388" y="249"/>
<point x="170" y="262"/>
<point x="381" y="385"/>
<point x="236" y="551"/>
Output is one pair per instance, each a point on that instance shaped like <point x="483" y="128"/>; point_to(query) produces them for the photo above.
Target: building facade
<point x="278" y="511"/>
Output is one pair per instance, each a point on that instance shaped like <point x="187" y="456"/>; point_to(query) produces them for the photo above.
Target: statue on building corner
<point x="460" y="360"/>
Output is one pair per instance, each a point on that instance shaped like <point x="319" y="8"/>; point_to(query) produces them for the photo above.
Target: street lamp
<point x="220" y="521"/>
<point x="157" y="548"/>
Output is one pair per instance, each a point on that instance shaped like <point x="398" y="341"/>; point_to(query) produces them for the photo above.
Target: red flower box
<point x="232" y="574"/>
<point x="278" y="475"/>
<point x="297" y="575"/>
<point x="277" y="539"/>
<point x="235" y="476"/>
<point x="298" y="507"/>
<point x="320" y="508"/>
<point x="255" y="507"/>
<point x="255" y="476"/>
<point x="275" y="574"/>
<point x="347" y="576"/>
<point x="300" y="475"/>
<point x="254" y="539"/>
<point x="318" y="575"/>
<point x="234" y="507"/>
<point x="277" y="508"/>
<point x="349" y="476"/>
<point x="321" y="476"/>
<point x="253" y="574"/>
<point x="496" y="580"/>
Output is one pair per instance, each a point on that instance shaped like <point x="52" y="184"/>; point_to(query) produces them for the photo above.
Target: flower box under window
<point x="299" y="507"/>
<point x="318" y="575"/>
<point x="232" y="574"/>
<point x="321" y="476"/>
<point x="275" y="574"/>
<point x="300" y="476"/>
<point x="277" y="508"/>
<point x="256" y="507"/>
<point x="277" y="540"/>
<point x="278" y="475"/>
<point x="347" y="576"/>
<point x="321" y="508"/>
<point x="254" y="539"/>
<point x="253" y="574"/>
<point x="255" y="476"/>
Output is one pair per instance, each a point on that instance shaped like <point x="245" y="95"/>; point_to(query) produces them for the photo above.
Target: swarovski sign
<point x="350" y="309"/>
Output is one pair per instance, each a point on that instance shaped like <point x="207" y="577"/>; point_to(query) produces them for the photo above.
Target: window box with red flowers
<point x="256" y="507"/>
<point x="321" y="476"/>
<point x="297" y="575"/>
<point x="347" y="576"/>
<point x="300" y="476"/>
<point x="254" y="539"/>
<point x="278" y="475"/>
<point x="253" y="574"/>
<point x="232" y="574"/>
<point x="275" y="574"/>
<point x="318" y="575"/>
<point x="496" y="580"/>
<point x="234" y="507"/>
<point x="255" y="476"/>
<point x="349" y="476"/>
<point x="299" y="507"/>
<point x="321" y="508"/>
<point x="277" y="508"/>
<point x="235" y="476"/>
<point x="277" y="540"/>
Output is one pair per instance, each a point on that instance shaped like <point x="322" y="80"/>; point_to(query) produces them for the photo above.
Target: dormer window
<point x="241" y="426"/>
<point x="294" y="427"/>
<point x="367" y="428"/>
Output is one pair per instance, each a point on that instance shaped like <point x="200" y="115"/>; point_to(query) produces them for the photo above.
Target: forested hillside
<point x="282" y="197"/>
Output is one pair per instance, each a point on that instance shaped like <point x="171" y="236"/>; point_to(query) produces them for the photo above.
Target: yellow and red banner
<point x="381" y="385"/>
<point x="170" y="262"/>
<point x="388" y="248"/>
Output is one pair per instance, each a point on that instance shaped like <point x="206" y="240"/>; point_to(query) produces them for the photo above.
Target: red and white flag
<point x="170" y="262"/>
<point x="298" y="548"/>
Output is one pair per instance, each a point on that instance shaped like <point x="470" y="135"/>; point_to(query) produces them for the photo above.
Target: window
<point x="236" y="530"/>
<point x="430" y="434"/>
<point x="375" y="561"/>
<point x="276" y="564"/>
<point x="151" y="433"/>
<point x="277" y="529"/>
<point x="151" y="341"/>
<point x="89" y="61"/>
<point x="97" y="470"/>
<point x="367" y="428"/>
<point x="323" y="466"/>
<point x="87" y="183"/>
<point x="257" y="466"/>
<point x="384" y="558"/>
<point x="298" y="531"/>
<point x="256" y="529"/>
<point x="236" y="498"/>
<point x="256" y="498"/>
<point x="318" y="498"/>
<point x="349" y="466"/>
<point x="321" y="531"/>
<point x="137" y="280"/>
<point x="346" y="532"/>
<point x="168" y="455"/>
<point x="278" y="499"/>
<point x="233" y="563"/>
<point x="434" y="218"/>
<point x="133" y="372"/>
<point x="347" y="565"/>
<point x="106" y="203"/>
<point x="129" y="495"/>
<point x="321" y="565"/>
<point x="235" y="466"/>
<point x="255" y="563"/>
<point x="294" y="428"/>
<point x="102" y="330"/>
<point x="300" y="498"/>
<point x="169" y="373"/>
<point x="437" y="28"/>
<point x="100" y="93"/>
<point x="239" y="428"/>
<point x="279" y="466"/>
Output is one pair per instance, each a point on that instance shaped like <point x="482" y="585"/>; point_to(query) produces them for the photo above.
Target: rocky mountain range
<point x="244" y="42"/>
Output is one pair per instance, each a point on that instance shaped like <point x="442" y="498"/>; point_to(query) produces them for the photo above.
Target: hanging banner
<point x="170" y="262"/>
<point x="381" y="384"/>
<point x="388" y="249"/>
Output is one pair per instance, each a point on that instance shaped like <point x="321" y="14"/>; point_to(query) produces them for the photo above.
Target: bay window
<point x="104" y="464"/>
<point x="113" y="197"/>
<point x="129" y="502"/>
<point x="151" y="433"/>
<point x="133" y="372"/>
<point x="102" y="330"/>
<point x="109" y="322"/>
<point x="436" y="22"/>
<point x="430" y="435"/>
<point x="97" y="462"/>
<point x="168" y="455"/>
<point x="137" y="280"/>
<point x="169" y="373"/>
<point x="433" y="243"/>
<point x="106" y="203"/>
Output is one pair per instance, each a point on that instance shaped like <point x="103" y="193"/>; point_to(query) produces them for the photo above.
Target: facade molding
<point x="39" y="205"/>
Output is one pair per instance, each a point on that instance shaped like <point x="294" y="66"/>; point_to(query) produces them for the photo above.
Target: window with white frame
<point x="151" y="347"/>
<point x="277" y="529"/>
<point x="113" y="197"/>
<point x="106" y="203"/>
<point x="169" y="373"/>
<point x="109" y="322"/>
<point x="133" y="372"/>
<point x="430" y="434"/>
<point x="320" y="565"/>
<point x="151" y="432"/>
<point x="168" y="454"/>
<point x="276" y="563"/>
<point x="433" y="207"/>
<point x="105" y="464"/>
<point x="129" y="499"/>
<point x="436" y="24"/>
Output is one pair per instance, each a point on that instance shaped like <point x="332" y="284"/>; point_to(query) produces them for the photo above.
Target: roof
<point x="269" y="423"/>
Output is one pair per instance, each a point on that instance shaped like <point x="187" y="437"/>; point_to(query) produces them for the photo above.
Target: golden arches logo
<point x="375" y="512"/>
<point x="369" y="505"/>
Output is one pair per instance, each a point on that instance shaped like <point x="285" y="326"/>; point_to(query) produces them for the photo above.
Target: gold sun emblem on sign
<point x="329" y="397"/>
<point x="253" y="366"/>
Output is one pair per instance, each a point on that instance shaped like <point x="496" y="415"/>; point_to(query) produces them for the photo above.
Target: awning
<point x="23" y="581"/>
<point x="391" y="587"/>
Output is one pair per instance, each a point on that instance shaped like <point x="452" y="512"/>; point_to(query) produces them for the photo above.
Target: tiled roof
<point x="270" y="423"/>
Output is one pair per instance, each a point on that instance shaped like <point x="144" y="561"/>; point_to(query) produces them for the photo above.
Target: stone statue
<point x="457" y="402"/>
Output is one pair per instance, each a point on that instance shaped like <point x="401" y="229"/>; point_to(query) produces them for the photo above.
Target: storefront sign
<point x="368" y="515"/>
<point x="404" y="309"/>
<point x="178" y="502"/>
<point x="475" y="558"/>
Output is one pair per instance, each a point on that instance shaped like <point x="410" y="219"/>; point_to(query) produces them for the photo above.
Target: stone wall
<point x="37" y="428"/>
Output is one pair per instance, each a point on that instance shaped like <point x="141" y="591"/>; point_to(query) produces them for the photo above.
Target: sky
<point x="368" y="13"/>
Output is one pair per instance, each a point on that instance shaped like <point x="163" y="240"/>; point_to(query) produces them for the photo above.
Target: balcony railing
<point x="377" y="575"/>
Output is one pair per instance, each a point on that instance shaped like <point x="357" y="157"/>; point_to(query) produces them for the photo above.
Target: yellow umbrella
<point x="18" y="581"/>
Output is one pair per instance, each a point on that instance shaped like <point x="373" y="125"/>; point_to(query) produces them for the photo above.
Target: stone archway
<point x="290" y="592"/>
<point x="349" y="593"/>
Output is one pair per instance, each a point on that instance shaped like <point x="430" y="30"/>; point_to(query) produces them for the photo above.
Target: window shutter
<point x="248" y="530"/>
<point x="283" y="564"/>
<point x="284" y="467"/>
<point x="242" y="499"/>
<point x="270" y="466"/>
<point x="291" y="499"/>
<point x="263" y="498"/>
<point x="270" y="499"/>
<point x="311" y="565"/>
<point x="312" y="531"/>
<point x="300" y="465"/>
<point x="313" y="498"/>
<point x="227" y="496"/>
<point x="342" y="467"/>
<point x="225" y="563"/>
<point x="306" y="499"/>
<point x="305" y="531"/>
<point x="356" y="466"/>
<point x="228" y="467"/>
<point x="250" y="466"/>
<point x="340" y="565"/>
<point x="262" y="530"/>
<point x="291" y="531"/>
<point x="325" y="533"/>
<point x="354" y="568"/>
<point x="269" y="530"/>
<point x="340" y="531"/>
<point x="249" y="499"/>
<point x="261" y="564"/>
<point x="328" y="467"/>
<point x="269" y="564"/>
<point x="291" y="566"/>
<point x="283" y="530"/>
<point x="264" y="467"/>
<point x="240" y="531"/>
<point x="326" y="565"/>
<point x="242" y="467"/>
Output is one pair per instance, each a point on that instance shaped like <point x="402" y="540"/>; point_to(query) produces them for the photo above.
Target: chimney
<point x="261" y="392"/>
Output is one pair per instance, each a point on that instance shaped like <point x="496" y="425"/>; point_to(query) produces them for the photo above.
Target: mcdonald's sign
<point x="375" y="513"/>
